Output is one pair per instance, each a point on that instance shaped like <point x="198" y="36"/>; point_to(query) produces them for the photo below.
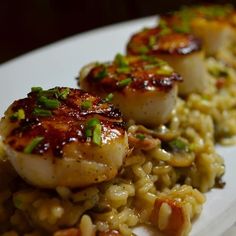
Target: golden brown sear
<point x="134" y="73"/>
<point x="212" y="23"/>
<point x="53" y="136"/>
<point x="61" y="125"/>
<point x="144" y="88"/>
<point x="183" y="52"/>
<point x="160" y="40"/>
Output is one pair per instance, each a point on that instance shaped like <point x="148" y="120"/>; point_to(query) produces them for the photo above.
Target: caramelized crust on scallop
<point x="144" y="88"/>
<point x="162" y="40"/>
<point x="214" y="24"/>
<point x="180" y="21"/>
<point x="132" y="73"/>
<point x="62" y="125"/>
<point x="181" y="50"/>
<point x="64" y="137"/>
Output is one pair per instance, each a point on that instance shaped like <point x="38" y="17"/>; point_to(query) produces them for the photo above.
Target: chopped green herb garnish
<point x="86" y="104"/>
<point x="149" y="66"/>
<point x="124" y="70"/>
<point x="41" y="112"/>
<point x="143" y="49"/>
<point x="182" y="28"/>
<point x="97" y="134"/>
<point x="214" y="10"/>
<point x="164" y="28"/>
<point x="162" y="23"/>
<point x="164" y="70"/>
<point x="121" y="60"/>
<point x="164" y="31"/>
<point x="36" y="89"/>
<point x="64" y="94"/>
<point x="49" y="103"/>
<point x="153" y="60"/>
<point x="186" y="13"/>
<point x="93" y="129"/>
<point x="33" y="144"/>
<point x="178" y="145"/>
<point x="140" y="136"/>
<point x="92" y="122"/>
<point x="109" y="97"/>
<point x="152" y="41"/>
<point x="18" y="115"/>
<point x="49" y="92"/>
<point x="102" y="73"/>
<point x="124" y="82"/>
<point x="21" y="114"/>
<point x="88" y="133"/>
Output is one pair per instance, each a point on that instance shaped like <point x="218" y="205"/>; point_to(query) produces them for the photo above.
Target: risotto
<point x="161" y="183"/>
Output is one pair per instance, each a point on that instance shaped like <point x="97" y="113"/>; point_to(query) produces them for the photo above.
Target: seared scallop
<point x="64" y="137"/>
<point x="211" y="23"/>
<point x="182" y="51"/>
<point x="143" y="88"/>
<point x="216" y="35"/>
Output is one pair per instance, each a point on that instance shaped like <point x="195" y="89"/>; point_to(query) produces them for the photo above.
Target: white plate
<point x="58" y="65"/>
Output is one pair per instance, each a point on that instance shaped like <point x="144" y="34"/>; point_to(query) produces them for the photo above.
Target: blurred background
<point x="29" y="24"/>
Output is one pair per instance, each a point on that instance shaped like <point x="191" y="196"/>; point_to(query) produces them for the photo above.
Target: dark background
<point x="29" y="24"/>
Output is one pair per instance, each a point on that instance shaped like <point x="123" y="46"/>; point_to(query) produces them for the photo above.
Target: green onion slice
<point x="94" y="129"/>
<point x="182" y="28"/>
<point x="178" y="145"/>
<point x="140" y="136"/>
<point x="64" y="94"/>
<point x="41" y="112"/>
<point x="124" y="70"/>
<point x="164" y="70"/>
<point x="49" y="103"/>
<point x="124" y="82"/>
<point x="152" y="41"/>
<point x="162" y="23"/>
<point x="102" y="73"/>
<point x="49" y="92"/>
<point x="33" y="144"/>
<point x="165" y="31"/>
<point x="143" y="49"/>
<point x="97" y="134"/>
<point x="92" y="122"/>
<point x="86" y="104"/>
<point x="19" y="115"/>
<point x="88" y="133"/>
<point x="109" y="97"/>
<point x="121" y="61"/>
<point x="36" y="89"/>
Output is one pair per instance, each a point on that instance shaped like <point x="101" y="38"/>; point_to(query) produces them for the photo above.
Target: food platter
<point x="58" y="65"/>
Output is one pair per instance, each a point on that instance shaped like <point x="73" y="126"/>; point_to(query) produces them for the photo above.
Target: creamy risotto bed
<point x="161" y="182"/>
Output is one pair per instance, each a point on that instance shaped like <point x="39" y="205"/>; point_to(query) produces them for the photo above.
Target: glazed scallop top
<point x="162" y="40"/>
<point x="46" y="120"/>
<point x="132" y="73"/>
<point x="180" y="21"/>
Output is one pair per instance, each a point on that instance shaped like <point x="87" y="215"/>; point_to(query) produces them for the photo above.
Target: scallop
<point x="143" y="88"/>
<point x="64" y="137"/>
<point x="215" y="34"/>
<point x="182" y="51"/>
<point x="213" y="24"/>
